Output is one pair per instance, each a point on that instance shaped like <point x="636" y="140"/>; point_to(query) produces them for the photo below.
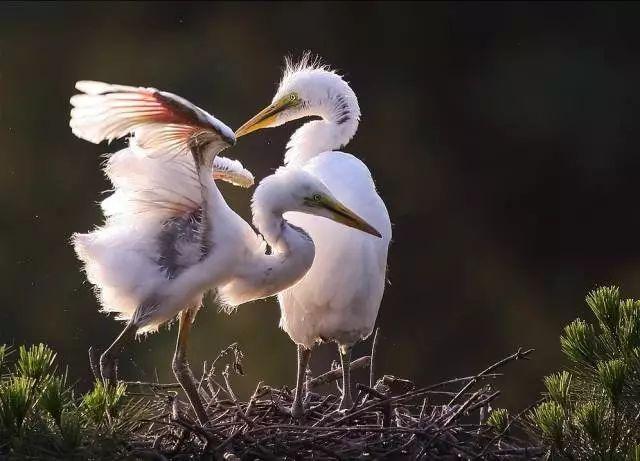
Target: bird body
<point x="339" y="297"/>
<point x="154" y="257"/>
<point x="169" y="235"/>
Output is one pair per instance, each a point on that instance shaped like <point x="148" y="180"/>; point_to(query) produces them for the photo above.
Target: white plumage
<point x="339" y="297"/>
<point x="169" y="236"/>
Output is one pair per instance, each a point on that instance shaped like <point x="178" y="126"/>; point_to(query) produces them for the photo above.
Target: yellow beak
<point x="263" y="119"/>
<point x="344" y="215"/>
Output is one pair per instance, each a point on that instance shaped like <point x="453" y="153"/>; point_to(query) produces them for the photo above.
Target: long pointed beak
<point x="263" y="119"/>
<point x="344" y="215"/>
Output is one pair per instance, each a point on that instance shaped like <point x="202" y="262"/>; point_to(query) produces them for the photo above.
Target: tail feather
<point x="116" y="261"/>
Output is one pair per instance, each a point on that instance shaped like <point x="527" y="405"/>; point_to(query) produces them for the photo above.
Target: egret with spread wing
<point x="339" y="297"/>
<point x="169" y="235"/>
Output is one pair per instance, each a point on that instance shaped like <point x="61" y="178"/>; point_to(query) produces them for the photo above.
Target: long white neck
<point x="340" y="115"/>
<point x="292" y="250"/>
<point x="264" y="275"/>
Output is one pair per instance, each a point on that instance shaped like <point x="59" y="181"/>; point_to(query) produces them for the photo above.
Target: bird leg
<point x="297" y="410"/>
<point x="109" y="356"/>
<point x="345" y="358"/>
<point x="181" y="368"/>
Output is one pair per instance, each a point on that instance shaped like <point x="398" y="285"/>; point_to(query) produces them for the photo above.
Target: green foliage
<point x="590" y="417"/>
<point x="102" y="401"/>
<point x="612" y="376"/>
<point x="40" y="417"/>
<point x="16" y="399"/>
<point x="4" y="353"/>
<point x="549" y="417"/>
<point x="71" y="430"/>
<point x="558" y="386"/>
<point x="55" y="397"/>
<point x="579" y="342"/>
<point x="36" y="363"/>
<point x="590" y="411"/>
<point x="499" y="420"/>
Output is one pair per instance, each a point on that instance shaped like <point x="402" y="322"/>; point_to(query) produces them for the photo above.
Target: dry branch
<point x="391" y="419"/>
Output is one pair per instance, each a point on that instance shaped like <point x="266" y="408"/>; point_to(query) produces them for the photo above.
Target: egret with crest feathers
<point x="339" y="297"/>
<point x="169" y="235"/>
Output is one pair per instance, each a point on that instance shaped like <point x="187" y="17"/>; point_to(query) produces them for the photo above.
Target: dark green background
<point x="502" y="136"/>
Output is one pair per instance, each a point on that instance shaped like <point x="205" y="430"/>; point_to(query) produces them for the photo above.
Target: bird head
<point x="291" y="189"/>
<point x="307" y="89"/>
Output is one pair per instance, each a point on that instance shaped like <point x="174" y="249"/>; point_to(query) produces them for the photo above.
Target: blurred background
<point x="502" y="137"/>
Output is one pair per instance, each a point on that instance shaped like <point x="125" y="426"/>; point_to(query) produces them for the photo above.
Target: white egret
<point x="169" y="236"/>
<point x="339" y="297"/>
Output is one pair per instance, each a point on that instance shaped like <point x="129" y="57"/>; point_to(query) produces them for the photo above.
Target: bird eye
<point x="293" y="97"/>
<point x="316" y="197"/>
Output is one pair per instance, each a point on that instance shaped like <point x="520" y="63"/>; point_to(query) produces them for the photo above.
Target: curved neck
<point x="292" y="254"/>
<point x="340" y="116"/>
<point x="285" y="240"/>
<point x="263" y="275"/>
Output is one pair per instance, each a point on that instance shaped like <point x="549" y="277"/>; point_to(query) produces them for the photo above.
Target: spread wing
<point x="161" y="122"/>
<point x="153" y="227"/>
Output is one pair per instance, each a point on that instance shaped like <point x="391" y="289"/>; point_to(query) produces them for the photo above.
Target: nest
<point x="391" y="419"/>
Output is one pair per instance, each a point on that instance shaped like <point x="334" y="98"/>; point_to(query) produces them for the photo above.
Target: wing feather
<point x="159" y="119"/>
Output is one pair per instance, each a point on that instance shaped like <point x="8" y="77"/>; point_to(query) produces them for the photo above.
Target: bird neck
<point x="292" y="252"/>
<point x="268" y="274"/>
<point x="339" y="118"/>
<point x="283" y="238"/>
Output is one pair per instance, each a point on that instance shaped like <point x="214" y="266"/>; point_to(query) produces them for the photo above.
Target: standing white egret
<point x="169" y="236"/>
<point x="338" y="299"/>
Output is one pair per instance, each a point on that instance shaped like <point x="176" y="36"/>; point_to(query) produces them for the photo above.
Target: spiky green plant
<point x="4" y="353"/>
<point x="550" y="418"/>
<point x="103" y="401"/>
<point x="41" y="418"/>
<point x="558" y="386"/>
<point x="591" y="410"/>
<point x="590" y="417"/>
<point x="55" y="397"/>
<point x="37" y="362"/>
<point x="71" y="430"/>
<point x="499" y="419"/>
<point x="16" y="400"/>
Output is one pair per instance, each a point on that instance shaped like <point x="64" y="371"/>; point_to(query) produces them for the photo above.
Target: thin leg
<point x="181" y="368"/>
<point x="108" y="357"/>
<point x="297" y="410"/>
<point x="345" y="358"/>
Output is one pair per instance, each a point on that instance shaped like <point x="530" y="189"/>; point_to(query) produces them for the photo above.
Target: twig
<point x="336" y="374"/>
<point x="386" y="407"/>
<point x="153" y="385"/>
<point x="517" y="356"/>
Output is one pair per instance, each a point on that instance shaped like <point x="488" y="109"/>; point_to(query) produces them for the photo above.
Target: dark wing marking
<point x="182" y="242"/>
